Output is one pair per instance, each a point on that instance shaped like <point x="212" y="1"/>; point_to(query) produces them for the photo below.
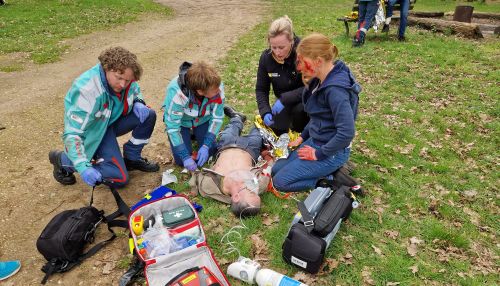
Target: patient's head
<point x="244" y="189"/>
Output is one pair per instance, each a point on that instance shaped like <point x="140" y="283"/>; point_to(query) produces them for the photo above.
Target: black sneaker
<point x="401" y="38"/>
<point x="385" y="28"/>
<point x="142" y="165"/>
<point x="62" y="176"/>
<point x="230" y="112"/>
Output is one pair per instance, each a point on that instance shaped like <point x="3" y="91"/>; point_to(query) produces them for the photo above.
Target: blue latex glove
<point x="268" y="119"/>
<point x="91" y="176"/>
<point x="189" y="164"/>
<point x="277" y="107"/>
<point x="202" y="155"/>
<point x="141" y="111"/>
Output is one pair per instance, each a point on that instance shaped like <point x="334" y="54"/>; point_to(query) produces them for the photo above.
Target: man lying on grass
<point x="237" y="177"/>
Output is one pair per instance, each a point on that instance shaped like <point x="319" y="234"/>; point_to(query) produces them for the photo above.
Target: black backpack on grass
<point x="64" y="238"/>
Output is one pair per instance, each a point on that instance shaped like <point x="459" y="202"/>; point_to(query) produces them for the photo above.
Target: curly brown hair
<point x="119" y="59"/>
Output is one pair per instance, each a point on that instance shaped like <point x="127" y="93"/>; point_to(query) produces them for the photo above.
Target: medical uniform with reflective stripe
<point x="183" y="113"/>
<point x="94" y="116"/>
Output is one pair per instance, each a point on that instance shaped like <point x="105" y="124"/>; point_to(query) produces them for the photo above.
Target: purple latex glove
<point x="91" y="176"/>
<point x="268" y="119"/>
<point x="189" y="164"/>
<point x="202" y="155"/>
<point x="141" y="111"/>
<point x="277" y="107"/>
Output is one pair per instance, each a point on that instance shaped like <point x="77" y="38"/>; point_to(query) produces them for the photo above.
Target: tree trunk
<point x="464" y="29"/>
<point x="463" y="14"/>
<point x="484" y="15"/>
<point x="426" y="14"/>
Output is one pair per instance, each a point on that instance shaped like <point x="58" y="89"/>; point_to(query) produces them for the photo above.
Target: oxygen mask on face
<point x="244" y="179"/>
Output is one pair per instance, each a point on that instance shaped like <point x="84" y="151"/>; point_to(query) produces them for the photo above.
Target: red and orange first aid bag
<point x="168" y="236"/>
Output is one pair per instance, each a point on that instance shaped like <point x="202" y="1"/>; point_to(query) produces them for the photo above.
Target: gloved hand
<point x="141" y="111"/>
<point x="307" y="153"/>
<point x="202" y="157"/>
<point x="189" y="164"/>
<point x="295" y="142"/>
<point x="268" y="119"/>
<point x="277" y="107"/>
<point x="91" y="176"/>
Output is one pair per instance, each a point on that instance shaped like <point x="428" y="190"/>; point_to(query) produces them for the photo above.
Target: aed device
<point x="195" y="276"/>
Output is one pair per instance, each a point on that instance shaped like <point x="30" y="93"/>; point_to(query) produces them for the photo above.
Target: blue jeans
<point x="405" y="7"/>
<point x="294" y="174"/>
<point x="109" y="160"/>
<point x="367" y="11"/>
<point x="199" y="134"/>
<point x="252" y="143"/>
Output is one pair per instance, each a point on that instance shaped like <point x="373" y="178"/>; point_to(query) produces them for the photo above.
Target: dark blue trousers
<point x="108" y="157"/>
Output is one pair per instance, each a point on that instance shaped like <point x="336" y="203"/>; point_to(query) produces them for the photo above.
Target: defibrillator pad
<point x="177" y="216"/>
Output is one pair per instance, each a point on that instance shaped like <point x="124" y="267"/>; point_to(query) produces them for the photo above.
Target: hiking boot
<point x="60" y="174"/>
<point x="359" y="39"/>
<point x="401" y="38"/>
<point x="142" y="165"/>
<point x="385" y="28"/>
<point x="9" y="268"/>
<point x="231" y="113"/>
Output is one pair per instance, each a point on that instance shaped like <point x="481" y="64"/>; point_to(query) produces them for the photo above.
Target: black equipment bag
<point x="64" y="238"/>
<point x="304" y="249"/>
<point x="338" y="206"/>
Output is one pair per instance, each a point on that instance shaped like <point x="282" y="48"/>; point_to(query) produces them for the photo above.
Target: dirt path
<point x="31" y="110"/>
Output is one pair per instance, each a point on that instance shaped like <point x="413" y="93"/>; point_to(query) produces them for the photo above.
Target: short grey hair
<point x="244" y="209"/>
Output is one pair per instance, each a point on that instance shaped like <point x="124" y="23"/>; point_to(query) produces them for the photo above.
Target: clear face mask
<point x="246" y="179"/>
<point x="252" y="185"/>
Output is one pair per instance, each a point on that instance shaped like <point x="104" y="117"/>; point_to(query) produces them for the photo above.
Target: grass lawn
<point x="426" y="147"/>
<point x="36" y="27"/>
<point x="426" y="150"/>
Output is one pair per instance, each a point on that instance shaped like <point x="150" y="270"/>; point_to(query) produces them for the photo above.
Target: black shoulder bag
<point x="64" y="238"/>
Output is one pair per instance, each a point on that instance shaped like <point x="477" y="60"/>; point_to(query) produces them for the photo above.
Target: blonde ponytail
<point x="317" y="46"/>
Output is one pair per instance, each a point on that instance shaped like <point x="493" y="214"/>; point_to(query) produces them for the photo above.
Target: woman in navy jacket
<point x="277" y="69"/>
<point x="331" y="101"/>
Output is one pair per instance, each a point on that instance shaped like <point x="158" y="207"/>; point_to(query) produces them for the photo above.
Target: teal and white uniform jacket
<point x="188" y="110"/>
<point x="90" y="107"/>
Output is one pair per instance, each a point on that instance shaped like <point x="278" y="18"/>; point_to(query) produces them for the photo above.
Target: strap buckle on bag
<point x="64" y="265"/>
<point x="309" y="223"/>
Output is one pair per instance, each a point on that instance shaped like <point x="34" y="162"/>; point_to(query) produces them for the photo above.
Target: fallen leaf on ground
<point x="267" y="220"/>
<point x="393" y="234"/>
<point x="259" y="246"/>
<point x="414" y="269"/>
<point x="412" y="247"/>
<point x="470" y="194"/>
<point x="367" y="276"/>
<point x="377" y="250"/>
<point x="305" y="278"/>
<point x="328" y="266"/>
<point x="346" y="259"/>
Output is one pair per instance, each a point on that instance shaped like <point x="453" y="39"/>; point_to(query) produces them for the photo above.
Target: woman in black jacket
<point x="277" y="68"/>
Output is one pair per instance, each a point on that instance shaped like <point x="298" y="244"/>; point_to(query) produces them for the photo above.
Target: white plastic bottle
<point x="268" y="277"/>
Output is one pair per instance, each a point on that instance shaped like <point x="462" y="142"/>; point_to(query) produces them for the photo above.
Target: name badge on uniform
<point x="273" y="74"/>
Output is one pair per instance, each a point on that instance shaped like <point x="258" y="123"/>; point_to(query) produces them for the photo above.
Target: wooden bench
<point x="353" y="17"/>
